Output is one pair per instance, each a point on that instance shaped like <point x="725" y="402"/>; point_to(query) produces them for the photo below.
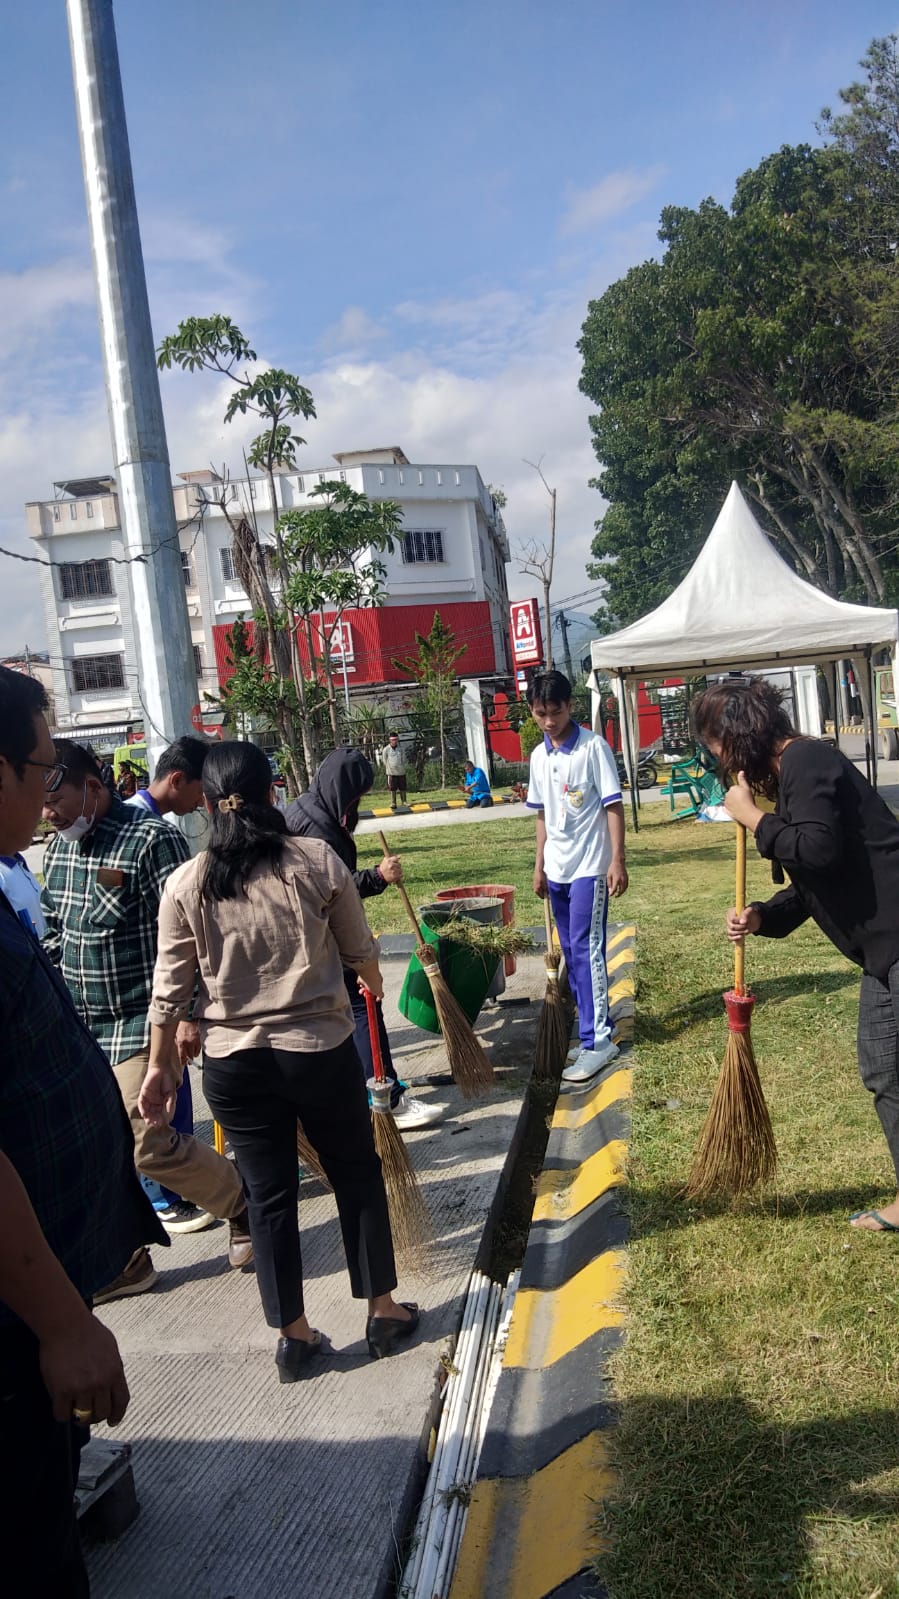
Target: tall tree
<point x="216" y="344"/>
<point x="434" y="665"/>
<point x="755" y="348"/>
<point x="331" y="552"/>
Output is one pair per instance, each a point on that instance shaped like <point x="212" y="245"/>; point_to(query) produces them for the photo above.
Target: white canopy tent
<point x="741" y="608"/>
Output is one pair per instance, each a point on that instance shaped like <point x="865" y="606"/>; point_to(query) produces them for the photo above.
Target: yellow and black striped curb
<point x="545" y="1465"/>
<point x="417" y="806"/>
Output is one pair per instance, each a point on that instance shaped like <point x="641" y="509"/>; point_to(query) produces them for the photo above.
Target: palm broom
<point x="736" y="1148"/>
<point x="472" y="1071"/>
<point x="305" y="1153"/>
<point x="410" y="1223"/>
<point x="552" y="1027"/>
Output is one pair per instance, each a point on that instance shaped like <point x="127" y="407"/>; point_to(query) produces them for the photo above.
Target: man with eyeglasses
<point x="72" y="1207"/>
<point x="104" y="874"/>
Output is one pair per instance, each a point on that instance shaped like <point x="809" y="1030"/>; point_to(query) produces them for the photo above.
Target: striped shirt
<point x="100" y="901"/>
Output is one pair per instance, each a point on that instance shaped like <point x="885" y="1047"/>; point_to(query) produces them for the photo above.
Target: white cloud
<point x="353" y="332"/>
<point x="610" y="198"/>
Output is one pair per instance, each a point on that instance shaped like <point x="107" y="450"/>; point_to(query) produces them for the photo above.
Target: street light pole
<point x="166" y="681"/>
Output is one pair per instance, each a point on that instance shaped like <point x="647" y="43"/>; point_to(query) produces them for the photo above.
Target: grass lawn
<point x="758" y="1446"/>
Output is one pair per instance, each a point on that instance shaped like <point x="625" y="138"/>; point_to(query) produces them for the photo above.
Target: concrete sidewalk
<point x="254" y="1490"/>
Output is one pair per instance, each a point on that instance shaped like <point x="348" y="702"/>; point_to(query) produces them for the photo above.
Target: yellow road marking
<point x="548" y="1323"/>
<point x="618" y="1086"/>
<point x="563" y="1194"/>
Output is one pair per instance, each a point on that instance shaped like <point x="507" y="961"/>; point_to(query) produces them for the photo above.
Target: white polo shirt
<point x="572" y="786"/>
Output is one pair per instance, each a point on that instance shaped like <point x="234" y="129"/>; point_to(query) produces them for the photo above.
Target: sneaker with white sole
<point x="139" y="1275"/>
<point x="183" y="1217"/>
<point x="589" y="1063"/>
<point x="413" y="1115"/>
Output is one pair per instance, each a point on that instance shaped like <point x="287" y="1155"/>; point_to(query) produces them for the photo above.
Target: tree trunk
<point x="442" y="745"/>
<point x="327" y="641"/>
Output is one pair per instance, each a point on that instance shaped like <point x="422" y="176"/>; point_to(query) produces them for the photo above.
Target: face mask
<point x="81" y="825"/>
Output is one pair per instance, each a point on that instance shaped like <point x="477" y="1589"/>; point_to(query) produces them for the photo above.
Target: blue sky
<point x="410" y="206"/>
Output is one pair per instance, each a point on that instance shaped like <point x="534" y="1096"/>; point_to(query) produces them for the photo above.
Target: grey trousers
<point x="878" y="1051"/>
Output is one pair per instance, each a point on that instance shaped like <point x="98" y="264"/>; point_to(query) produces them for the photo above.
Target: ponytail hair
<point x="245" y="828"/>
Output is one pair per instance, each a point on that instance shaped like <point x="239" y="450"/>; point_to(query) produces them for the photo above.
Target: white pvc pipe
<point x="465" y="1472"/>
<point x="451" y="1388"/>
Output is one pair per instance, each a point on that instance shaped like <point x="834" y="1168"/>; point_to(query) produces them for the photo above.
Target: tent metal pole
<point x="631" y="763"/>
<point x="835" y="699"/>
<point x="872" y="719"/>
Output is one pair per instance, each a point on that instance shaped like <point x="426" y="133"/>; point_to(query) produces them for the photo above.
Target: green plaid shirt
<point x="102" y="935"/>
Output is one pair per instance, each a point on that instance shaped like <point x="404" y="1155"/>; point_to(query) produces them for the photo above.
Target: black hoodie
<point x="337" y="787"/>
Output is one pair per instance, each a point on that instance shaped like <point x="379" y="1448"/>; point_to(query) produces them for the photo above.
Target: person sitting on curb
<point x="330" y="811"/>
<point x="103" y="878"/>
<point x="476" y="785"/>
<point x="73" y="1211"/>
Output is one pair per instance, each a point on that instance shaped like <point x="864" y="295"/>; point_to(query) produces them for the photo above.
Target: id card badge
<point x="565" y="817"/>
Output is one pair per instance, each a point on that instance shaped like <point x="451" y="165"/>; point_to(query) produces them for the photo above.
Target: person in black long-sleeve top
<point x="330" y="811"/>
<point x="838" y="843"/>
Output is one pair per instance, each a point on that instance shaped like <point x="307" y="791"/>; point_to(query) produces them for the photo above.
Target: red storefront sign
<point x="524" y="630"/>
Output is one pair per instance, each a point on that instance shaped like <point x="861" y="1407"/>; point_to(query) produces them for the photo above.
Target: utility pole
<point x="166" y="681"/>
<point x="564" y="625"/>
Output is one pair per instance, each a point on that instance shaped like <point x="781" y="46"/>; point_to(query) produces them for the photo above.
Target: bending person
<point x="330" y="811"/>
<point x="271" y="922"/>
<point x="839" y="843"/>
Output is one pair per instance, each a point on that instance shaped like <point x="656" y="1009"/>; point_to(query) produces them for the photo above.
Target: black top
<point x="839" y="843"/>
<point x="63" y="1124"/>
<point x="329" y="809"/>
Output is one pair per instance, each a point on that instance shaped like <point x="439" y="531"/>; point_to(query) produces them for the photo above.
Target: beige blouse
<point x="270" y="961"/>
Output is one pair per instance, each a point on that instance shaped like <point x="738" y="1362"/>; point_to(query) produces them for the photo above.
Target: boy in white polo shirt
<point x="575" y="789"/>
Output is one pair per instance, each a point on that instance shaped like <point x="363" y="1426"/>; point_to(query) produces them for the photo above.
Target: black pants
<point x="40" y="1551"/>
<point x="878" y="1051"/>
<point x="362" y="1037"/>
<point x="256" y="1095"/>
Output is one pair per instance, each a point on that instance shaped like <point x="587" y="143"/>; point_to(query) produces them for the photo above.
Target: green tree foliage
<point x="762" y="346"/>
<point x="434" y="665"/>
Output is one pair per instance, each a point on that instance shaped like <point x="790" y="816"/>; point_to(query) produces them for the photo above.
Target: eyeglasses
<point x="54" y="775"/>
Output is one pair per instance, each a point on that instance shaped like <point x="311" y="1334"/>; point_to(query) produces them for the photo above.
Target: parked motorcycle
<point x="647" y="770"/>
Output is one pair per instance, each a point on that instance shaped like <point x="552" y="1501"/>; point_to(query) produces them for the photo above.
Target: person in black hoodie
<point x="838" y="842"/>
<point x="330" y="811"/>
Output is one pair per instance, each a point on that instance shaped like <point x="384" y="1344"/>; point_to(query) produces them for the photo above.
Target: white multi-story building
<point x="452" y="557"/>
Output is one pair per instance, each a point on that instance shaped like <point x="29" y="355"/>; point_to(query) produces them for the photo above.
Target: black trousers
<point x="256" y="1095"/>
<point x="40" y="1551"/>
<point x="878" y="1051"/>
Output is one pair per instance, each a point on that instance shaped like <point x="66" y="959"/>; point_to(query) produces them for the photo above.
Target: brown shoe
<point x="240" y="1244"/>
<point x="139" y="1275"/>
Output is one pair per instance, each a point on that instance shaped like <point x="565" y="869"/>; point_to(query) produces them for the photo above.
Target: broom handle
<point x="740" y="903"/>
<point x="548" y="924"/>
<point x="377" y="1060"/>
<point x="413" y="919"/>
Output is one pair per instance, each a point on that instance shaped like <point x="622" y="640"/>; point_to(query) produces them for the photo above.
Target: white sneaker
<point x="412" y="1115"/>
<point x="574" y="1050"/>
<point x="589" y="1063"/>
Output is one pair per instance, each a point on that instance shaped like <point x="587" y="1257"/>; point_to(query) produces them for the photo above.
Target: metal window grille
<point x="422" y="544"/>
<point x="93" y="672"/>
<point x="83" y="580"/>
<point x="227" y="558"/>
<point x="185" y="568"/>
<point x="89" y="508"/>
<point x="198" y="659"/>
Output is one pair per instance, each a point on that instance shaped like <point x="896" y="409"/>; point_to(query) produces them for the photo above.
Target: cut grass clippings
<point x="758" y="1441"/>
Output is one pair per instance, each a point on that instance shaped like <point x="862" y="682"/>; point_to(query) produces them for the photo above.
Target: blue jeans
<point x="183" y="1122"/>
<point x="580" y="910"/>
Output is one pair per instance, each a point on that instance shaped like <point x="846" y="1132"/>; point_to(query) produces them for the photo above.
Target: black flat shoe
<point x="294" y="1356"/>
<point x="383" y="1333"/>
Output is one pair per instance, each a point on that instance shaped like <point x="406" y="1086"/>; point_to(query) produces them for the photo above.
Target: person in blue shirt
<point x="476" y="785"/>
<point x="23" y="891"/>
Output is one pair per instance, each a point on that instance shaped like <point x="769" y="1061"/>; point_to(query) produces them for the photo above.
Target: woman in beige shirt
<point x="270" y="921"/>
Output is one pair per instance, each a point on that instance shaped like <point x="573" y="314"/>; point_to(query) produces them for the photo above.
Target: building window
<point x="198" y="660"/>
<point x="252" y="488"/>
<point x="185" y="568"/>
<point x="85" y="580"/>
<point x="73" y="511"/>
<point x="401" y="476"/>
<point x="93" y="672"/>
<point x="89" y="508"/>
<point x="380" y="474"/>
<point x="422" y="544"/>
<point x="322" y="477"/>
<point x="56" y="513"/>
<point x="301" y="487"/>
<point x="343" y="477"/>
<point x="421" y="479"/>
<point x="439" y="477"/>
<point x="227" y="558"/>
